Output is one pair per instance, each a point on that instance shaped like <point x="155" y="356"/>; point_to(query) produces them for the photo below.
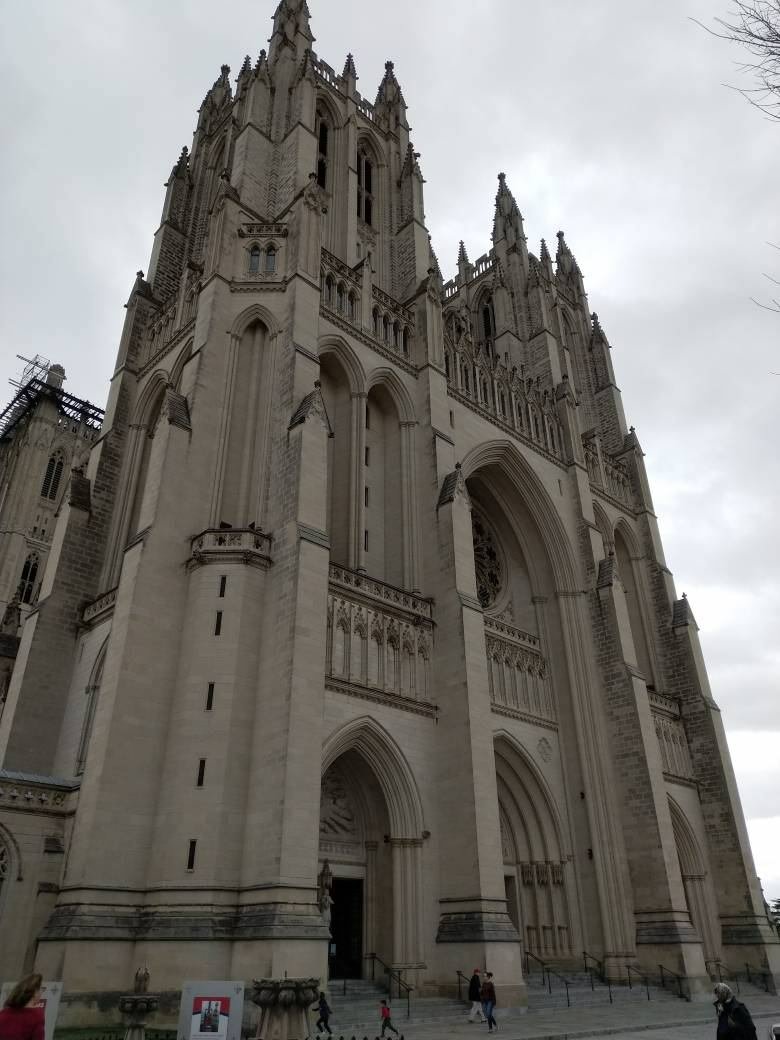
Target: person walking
<point x="734" y="1021"/>
<point x="488" y="996"/>
<point x="325" y="1013"/>
<point x="387" y="1022"/>
<point x="22" y="1018"/>
<point x="475" y="996"/>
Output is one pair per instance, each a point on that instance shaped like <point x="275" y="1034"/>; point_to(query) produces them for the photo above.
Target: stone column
<point x="370" y="896"/>
<point x="357" y="504"/>
<point x="409" y="507"/>
<point x="474" y="925"/>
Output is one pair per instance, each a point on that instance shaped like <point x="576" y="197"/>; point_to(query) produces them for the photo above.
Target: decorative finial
<point x="389" y="66"/>
<point x="457" y="465"/>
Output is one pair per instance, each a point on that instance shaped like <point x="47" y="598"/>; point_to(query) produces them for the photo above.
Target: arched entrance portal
<point x="370" y="847"/>
<point x="536" y="868"/>
<point x="353" y="826"/>
<point x="697" y="885"/>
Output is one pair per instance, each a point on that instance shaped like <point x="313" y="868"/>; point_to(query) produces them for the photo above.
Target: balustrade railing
<point x="517" y="672"/>
<point x="237" y="544"/>
<point x="380" y="638"/>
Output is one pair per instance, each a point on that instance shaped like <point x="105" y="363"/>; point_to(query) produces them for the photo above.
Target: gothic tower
<point x="360" y="635"/>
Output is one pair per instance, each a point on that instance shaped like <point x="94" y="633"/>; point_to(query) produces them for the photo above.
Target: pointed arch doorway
<point x="370" y="844"/>
<point x="353" y="826"/>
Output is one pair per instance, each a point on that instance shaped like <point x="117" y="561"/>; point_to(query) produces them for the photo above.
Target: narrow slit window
<point x="365" y="541"/>
<point x="365" y="198"/>
<point x="191" y="854"/>
<point x="210" y="697"/>
<point x="201" y="772"/>
<point x="322" y="153"/>
<point x="368" y="418"/>
<point x="368" y="456"/>
<point x="218" y="624"/>
<point x="366" y="497"/>
<point x="222" y="585"/>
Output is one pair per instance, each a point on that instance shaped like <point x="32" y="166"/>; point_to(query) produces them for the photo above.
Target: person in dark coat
<point x="22" y="1018"/>
<point x="488" y="995"/>
<point x="325" y="1012"/>
<point x="475" y="996"/>
<point x="734" y="1021"/>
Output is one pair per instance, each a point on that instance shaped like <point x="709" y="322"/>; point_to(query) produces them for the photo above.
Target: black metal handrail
<point x="599" y="965"/>
<point x="763" y="975"/>
<point x="565" y="982"/>
<point x="720" y="968"/>
<point x="462" y="978"/>
<point x="548" y="971"/>
<point x="672" y="975"/>
<point x="532" y="957"/>
<point x="642" y="976"/>
<point x="393" y="975"/>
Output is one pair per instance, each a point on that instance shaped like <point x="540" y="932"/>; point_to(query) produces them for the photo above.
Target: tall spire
<point x="463" y="257"/>
<point x="291" y="29"/>
<point x="390" y="105"/>
<point x="508" y="221"/>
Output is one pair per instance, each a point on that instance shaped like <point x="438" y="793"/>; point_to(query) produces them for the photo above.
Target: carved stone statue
<point x="324" y="898"/>
<point x="12" y="617"/>
<point x="325" y="904"/>
<point x="141" y="980"/>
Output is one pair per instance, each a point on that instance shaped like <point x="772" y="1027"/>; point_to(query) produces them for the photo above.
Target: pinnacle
<point x="247" y="66"/>
<point x="260" y="59"/>
<point x="463" y="257"/>
<point x="544" y="252"/>
<point x="349" y="68"/>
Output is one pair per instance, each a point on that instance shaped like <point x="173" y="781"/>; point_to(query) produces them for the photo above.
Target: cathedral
<point x="356" y="648"/>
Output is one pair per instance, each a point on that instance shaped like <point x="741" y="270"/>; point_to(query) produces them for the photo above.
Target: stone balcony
<point x="245" y="545"/>
<point x="380" y="641"/>
<point x="517" y="674"/>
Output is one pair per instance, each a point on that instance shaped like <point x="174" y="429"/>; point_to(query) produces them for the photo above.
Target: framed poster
<point x="50" y="1002"/>
<point x="211" y="1011"/>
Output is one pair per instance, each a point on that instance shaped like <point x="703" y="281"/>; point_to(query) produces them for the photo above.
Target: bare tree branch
<point x="755" y="25"/>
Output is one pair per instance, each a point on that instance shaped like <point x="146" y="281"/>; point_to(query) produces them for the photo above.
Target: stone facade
<point x="44" y="433"/>
<point x="363" y="582"/>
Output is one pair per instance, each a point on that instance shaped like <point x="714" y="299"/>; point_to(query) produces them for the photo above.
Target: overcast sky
<point x="610" y="120"/>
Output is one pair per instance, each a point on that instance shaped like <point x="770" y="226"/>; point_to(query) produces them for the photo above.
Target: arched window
<point x="340" y="298"/>
<point x="405" y="342"/>
<point x="51" y="479"/>
<point x="486" y="333"/>
<point x="351" y="308"/>
<point x="323" y="140"/>
<point x="365" y="196"/>
<point x="91" y="692"/>
<point x="396" y="335"/>
<point x="254" y="259"/>
<point x="270" y="260"/>
<point x="329" y="290"/>
<point x="375" y="322"/>
<point x="29" y="577"/>
<point x="385" y="328"/>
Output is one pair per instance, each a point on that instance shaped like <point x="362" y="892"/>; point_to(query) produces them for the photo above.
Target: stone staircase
<point x="585" y="991"/>
<point x="356" y="1012"/>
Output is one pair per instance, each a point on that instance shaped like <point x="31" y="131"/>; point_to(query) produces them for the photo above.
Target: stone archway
<point x="537" y="871"/>
<point x="371" y="836"/>
<point x="697" y="885"/>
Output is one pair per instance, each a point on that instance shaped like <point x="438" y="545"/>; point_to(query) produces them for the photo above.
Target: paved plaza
<point x="653" y="1021"/>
